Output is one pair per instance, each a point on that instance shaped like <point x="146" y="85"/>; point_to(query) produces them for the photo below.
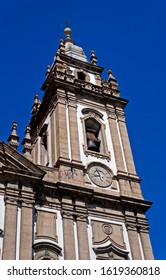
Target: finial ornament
<point x="27" y="132"/>
<point x="36" y="105"/>
<point x="67" y="30"/>
<point x="93" y="58"/>
<point x="14" y="128"/>
<point x="112" y="81"/>
<point x="27" y="143"/>
<point x="62" y="47"/>
<point x="13" y="137"/>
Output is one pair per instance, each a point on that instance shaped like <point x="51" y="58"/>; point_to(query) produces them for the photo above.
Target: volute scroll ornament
<point x="67" y="215"/>
<point x="143" y="228"/>
<point x="82" y="217"/>
<point x="120" y="115"/>
<point x="10" y="200"/>
<point x="131" y="226"/>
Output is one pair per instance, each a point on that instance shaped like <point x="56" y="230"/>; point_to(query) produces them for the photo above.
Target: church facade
<point x="74" y="193"/>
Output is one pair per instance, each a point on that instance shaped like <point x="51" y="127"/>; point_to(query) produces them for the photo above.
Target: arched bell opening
<point x="93" y="134"/>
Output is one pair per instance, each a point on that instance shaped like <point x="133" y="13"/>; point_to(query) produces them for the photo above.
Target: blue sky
<point x="128" y="37"/>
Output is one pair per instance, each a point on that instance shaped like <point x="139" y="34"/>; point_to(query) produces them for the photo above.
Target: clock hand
<point x="99" y="174"/>
<point x="95" y="175"/>
<point x="97" y="171"/>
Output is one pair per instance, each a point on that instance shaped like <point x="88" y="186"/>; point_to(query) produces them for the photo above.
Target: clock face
<point x="100" y="176"/>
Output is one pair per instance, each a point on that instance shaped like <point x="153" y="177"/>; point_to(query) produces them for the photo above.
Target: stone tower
<point x="74" y="194"/>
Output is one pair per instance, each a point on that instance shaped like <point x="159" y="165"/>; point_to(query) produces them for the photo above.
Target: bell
<point x="93" y="145"/>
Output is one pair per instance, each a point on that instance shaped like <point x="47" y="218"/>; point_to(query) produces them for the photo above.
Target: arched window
<point x="46" y="250"/>
<point x="95" y="142"/>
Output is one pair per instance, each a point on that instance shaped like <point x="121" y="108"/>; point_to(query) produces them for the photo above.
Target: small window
<point x="81" y="76"/>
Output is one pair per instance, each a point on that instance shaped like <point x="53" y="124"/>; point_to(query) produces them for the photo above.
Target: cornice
<point x="17" y="165"/>
<point x="14" y="173"/>
<point x="71" y="61"/>
<point x="128" y="177"/>
<point x="89" y="194"/>
<point x="80" y="89"/>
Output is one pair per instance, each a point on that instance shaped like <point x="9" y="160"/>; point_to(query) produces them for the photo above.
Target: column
<point x="42" y="154"/>
<point x="82" y="233"/>
<point x="35" y="151"/>
<point x="73" y="127"/>
<point x="133" y="240"/>
<point x="125" y="142"/>
<point x="53" y="136"/>
<point x="61" y="126"/>
<point x="68" y="236"/>
<point x="10" y="230"/>
<point x="146" y="244"/>
<point x="26" y="231"/>
<point x="115" y="140"/>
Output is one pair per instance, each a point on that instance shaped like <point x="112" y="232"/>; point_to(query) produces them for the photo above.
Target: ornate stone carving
<point x="81" y="217"/>
<point x="96" y="154"/>
<point x="46" y="250"/>
<point x="143" y="228"/>
<point x="131" y="226"/>
<point x="67" y="214"/>
<point x="69" y="173"/>
<point x="105" y="233"/>
<point x="120" y="115"/>
<point x="11" y="200"/>
<point x="107" y="228"/>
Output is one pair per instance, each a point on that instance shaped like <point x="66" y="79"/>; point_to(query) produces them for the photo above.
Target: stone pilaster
<point x="146" y="244"/>
<point x="53" y="136"/>
<point x="68" y="236"/>
<point x="125" y="142"/>
<point x="143" y="229"/>
<point x="115" y="139"/>
<point x="61" y="126"/>
<point x="131" y="226"/>
<point x="35" y="151"/>
<point x="82" y="233"/>
<point x="10" y="229"/>
<point x="26" y="231"/>
<point x="43" y="152"/>
<point x="124" y="186"/>
<point x="134" y="242"/>
<point x="73" y="126"/>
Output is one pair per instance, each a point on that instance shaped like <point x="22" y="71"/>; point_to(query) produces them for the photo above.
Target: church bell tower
<point x="79" y="134"/>
<point x="87" y="199"/>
